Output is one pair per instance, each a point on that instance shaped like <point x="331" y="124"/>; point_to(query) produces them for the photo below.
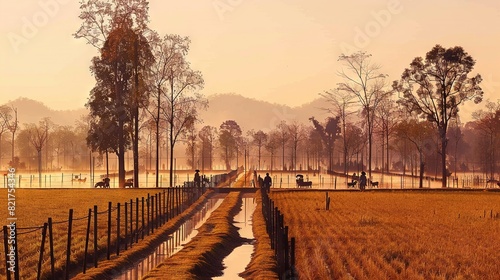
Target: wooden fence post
<point x="125" y="223"/>
<point x="42" y="247"/>
<point x="87" y="242"/>
<point x="148" y="201"/>
<point x="118" y="229"/>
<point x="68" y="247"/>
<point x="292" y="257"/>
<point x="142" y="219"/>
<point x="136" y="220"/>
<point x="95" y="236"/>
<point x="51" y="247"/>
<point x="131" y="223"/>
<point x="108" y="243"/>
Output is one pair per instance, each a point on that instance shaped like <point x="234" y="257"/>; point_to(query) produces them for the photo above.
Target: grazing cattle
<point x="493" y="181"/>
<point x="352" y="184"/>
<point x="374" y="184"/>
<point x="103" y="184"/>
<point x="129" y="183"/>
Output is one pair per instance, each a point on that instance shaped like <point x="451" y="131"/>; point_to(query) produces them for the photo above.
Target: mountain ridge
<point x="248" y="112"/>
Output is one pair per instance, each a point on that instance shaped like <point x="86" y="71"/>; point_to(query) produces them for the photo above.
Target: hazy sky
<point x="282" y="51"/>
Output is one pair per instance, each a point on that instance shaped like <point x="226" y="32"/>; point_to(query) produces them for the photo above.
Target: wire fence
<point x="77" y="243"/>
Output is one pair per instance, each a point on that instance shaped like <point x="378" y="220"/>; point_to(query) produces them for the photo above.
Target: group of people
<point x="264" y="183"/>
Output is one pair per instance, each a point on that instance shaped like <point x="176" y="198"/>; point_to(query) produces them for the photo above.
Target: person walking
<point x="197" y="179"/>
<point x="261" y="182"/>
<point x="268" y="182"/>
<point x="362" y="181"/>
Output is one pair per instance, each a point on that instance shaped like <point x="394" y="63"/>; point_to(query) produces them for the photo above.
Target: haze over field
<point x="280" y="51"/>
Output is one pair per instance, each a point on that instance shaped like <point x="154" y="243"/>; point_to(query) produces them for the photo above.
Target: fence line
<point x="152" y="213"/>
<point x="284" y="249"/>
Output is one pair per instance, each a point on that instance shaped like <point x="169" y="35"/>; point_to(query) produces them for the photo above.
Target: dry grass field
<point x="394" y="235"/>
<point x="35" y="206"/>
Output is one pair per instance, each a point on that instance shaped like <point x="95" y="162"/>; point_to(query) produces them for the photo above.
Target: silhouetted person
<point x="267" y="182"/>
<point x="197" y="178"/>
<point x="260" y="182"/>
<point x="362" y="181"/>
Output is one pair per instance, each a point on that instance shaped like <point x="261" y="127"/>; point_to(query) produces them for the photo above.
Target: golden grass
<point x="202" y="257"/>
<point x="107" y="268"/>
<point x="394" y="235"/>
<point x="35" y="206"/>
<point x="262" y="266"/>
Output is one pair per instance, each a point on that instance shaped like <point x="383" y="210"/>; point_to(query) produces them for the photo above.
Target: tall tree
<point x="329" y="133"/>
<point x="168" y="52"/>
<point x="5" y="116"/>
<point x="296" y="132"/>
<point x="362" y="79"/>
<point x="8" y="122"/>
<point x="191" y="136"/>
<point x="207" y="137"/>
<point x="273" y="143"/>
<point x="487" y="124"/>
<point x="341" y="102"/>
<point x="37" y="136"/>
<point x="419" y="134"/>
<point x="116" y="28"/>
<point x="434" y="87"/>
<point x="283" y="137"/>
<point x="229" y="139"/>
<point x="386" y="117"/>
<point x="259" y="139"/>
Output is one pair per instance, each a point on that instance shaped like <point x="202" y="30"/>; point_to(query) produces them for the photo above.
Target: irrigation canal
<point x="234" y="263"/>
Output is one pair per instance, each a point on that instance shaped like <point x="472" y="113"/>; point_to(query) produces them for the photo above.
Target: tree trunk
<point x="157" y="123"/>
<point x="39" y="152"/>
<point x="444" y="143"/>
<point x="136" y="146"/>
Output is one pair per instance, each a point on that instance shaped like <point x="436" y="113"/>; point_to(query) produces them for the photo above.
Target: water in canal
<point x="173" y="243"/>
<point x="239" y="258"/>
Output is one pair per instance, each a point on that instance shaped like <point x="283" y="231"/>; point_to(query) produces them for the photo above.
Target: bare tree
<point x="386" y="116"/>
<point x="296" y="132"/>
<point x="362" y="79"/>
<point x="283" y="140"/>
<point x="229" y="140"/>
<point x="272" y="145"/>
<point x="37" y="136"/>
<point x="191" y="136"/>
<point x="207" y="137"/>
<point x="8" y="122"/>
<point x="434" y="87"/>
<point x="487" y="124"/>
<point x="418" y="133"/>
<point x="259" y="139"/>
<point x="341" y="101"/>
<point x="168" y="51"/>
<point x="329" y="134"/>
<point x="5" y="116"/>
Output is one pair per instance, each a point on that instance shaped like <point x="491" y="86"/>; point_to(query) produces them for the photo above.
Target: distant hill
<point x="256" y="114"/>
<point x="247" y="112"/>
<point x="32" y="111"/>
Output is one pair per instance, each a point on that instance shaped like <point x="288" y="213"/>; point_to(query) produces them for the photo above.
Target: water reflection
<point x="173" y="243"/>
<point x="239" y="258"/>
